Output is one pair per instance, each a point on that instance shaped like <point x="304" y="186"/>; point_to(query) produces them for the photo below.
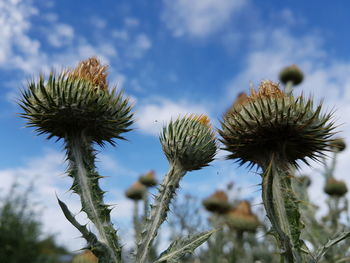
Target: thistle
<point x="241" y="218"/>
<point x="274" y="130"/>
<point x="337" y="145"/>
<point x="217" y="203"/>
<point x="78" y="107"/>
<point x="136" y="191"/>
<point x="148" y="179"/>
<point x="189" y="143"/>
<point x="291" y="76"/>
<point x="335" y="188"/>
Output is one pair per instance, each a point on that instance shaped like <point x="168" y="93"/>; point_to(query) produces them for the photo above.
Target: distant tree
<point x="20" y="231"/>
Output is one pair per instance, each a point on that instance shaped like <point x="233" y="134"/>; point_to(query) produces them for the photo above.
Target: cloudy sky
<point x="171" y="57"/>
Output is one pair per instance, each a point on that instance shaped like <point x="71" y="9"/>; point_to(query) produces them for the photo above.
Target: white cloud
<point x="60" y="34"/>
<point x="131" y="21"/>
<point x="47" y="173"/>
<point x="17" y="47"/>
<point x="140" y="45"/>
<point x="150" y="117"/>
<point x="98" y="22"/>
<point x="198" y="18"/>
<point x="21" y="50"/>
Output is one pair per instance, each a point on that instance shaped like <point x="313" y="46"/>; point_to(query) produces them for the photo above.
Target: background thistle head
<point x="291" y="74"/>
<point x="189" y="142"/>
<point x="136" y="192"/>
<point x="77" y="102"/>
<point x="270" y="123"/>
<point x="217" y="203"/>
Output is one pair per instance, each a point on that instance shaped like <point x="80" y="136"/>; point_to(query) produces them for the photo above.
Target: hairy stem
<point x="282" y="210"/>
<point x="159" y="210"/>
<point x="82" y="169"/>
<point x="136" y="221"/>
<point x="145" y="206"/>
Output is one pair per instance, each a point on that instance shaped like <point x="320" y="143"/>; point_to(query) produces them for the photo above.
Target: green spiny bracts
<point x="335" y="187"/>
<point x="66" y="104"/>
<point x="77" y="106"/>
<point x="337" y="145"/>
<point x="217" y="203"/>
<point x="274" y="130"/>
<point x="291" y="74"/>
<point x="190" y="142"/>
<point x="270" y="122"/>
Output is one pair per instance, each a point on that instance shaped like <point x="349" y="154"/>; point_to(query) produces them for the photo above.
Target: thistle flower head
<point x="87" y="257"/>
<point x="189" y="141"/>
<point x="337" y="145"/>
<point x="136" y="191"/>
<point x="217" y="203"/>
<point x="271" y="123"/>
<point x="148" y="179"/>
<point x="242" y="218"/>
<point x="77" y="101"/>
<point x="92" y="71"/>
<point x="291" y="74"/>
<point x="335" y="187"/>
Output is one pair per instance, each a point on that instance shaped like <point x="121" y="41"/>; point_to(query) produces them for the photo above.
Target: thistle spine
<point x="159" y="210"/>
<point x="82" y="169"/>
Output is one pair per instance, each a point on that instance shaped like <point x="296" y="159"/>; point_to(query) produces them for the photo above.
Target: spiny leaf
<point x="322" y="250"/>
<point x="182" y="246"/>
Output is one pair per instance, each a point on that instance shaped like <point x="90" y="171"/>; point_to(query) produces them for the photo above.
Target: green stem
<point x="82" y="169"/>
<point x="282" y="210"/>
<point x="136" y="221"/>
<point x="145" y="206"/>
<point x="158" y="213"/>
<point x="289" y="88"/>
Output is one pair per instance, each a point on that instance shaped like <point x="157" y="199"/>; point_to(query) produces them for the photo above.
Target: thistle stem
<point x="145" y="206"/>
<point x="81" y="158"/>
<point x="159" y="210"/>
<point x="282" y="210"/>
<point x="288" y="89"/>
<point x="136" y="221"/>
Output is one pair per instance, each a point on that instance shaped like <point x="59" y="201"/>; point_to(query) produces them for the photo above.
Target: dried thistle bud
<point x="86" y="257"/>
<point x="335" y="187"/>
<point x="70" y="104"/>
<point x="189" y="142"/>
<point x="136" y="192"/>
<point x="217" y="203"/>
<point x="337" y="145"/>
<point x="92" y="71"/>
<point x="272" y="123"/>
<point x="148" y="179"/>
<point x="241" y="218"/>
<point x="291" y="73"/>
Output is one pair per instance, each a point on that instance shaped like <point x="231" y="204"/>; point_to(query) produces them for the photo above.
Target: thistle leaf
<point x="322" y="250"/>
<point x="182" y="246"/>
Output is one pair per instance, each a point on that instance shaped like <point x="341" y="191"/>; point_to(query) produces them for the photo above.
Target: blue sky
<point x="171" y="57"/>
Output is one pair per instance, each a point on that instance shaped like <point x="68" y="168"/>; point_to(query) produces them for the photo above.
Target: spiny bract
<point x="77" y="102"/>
<point x="270" y="123"/>
<point x="189" y="142"/>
